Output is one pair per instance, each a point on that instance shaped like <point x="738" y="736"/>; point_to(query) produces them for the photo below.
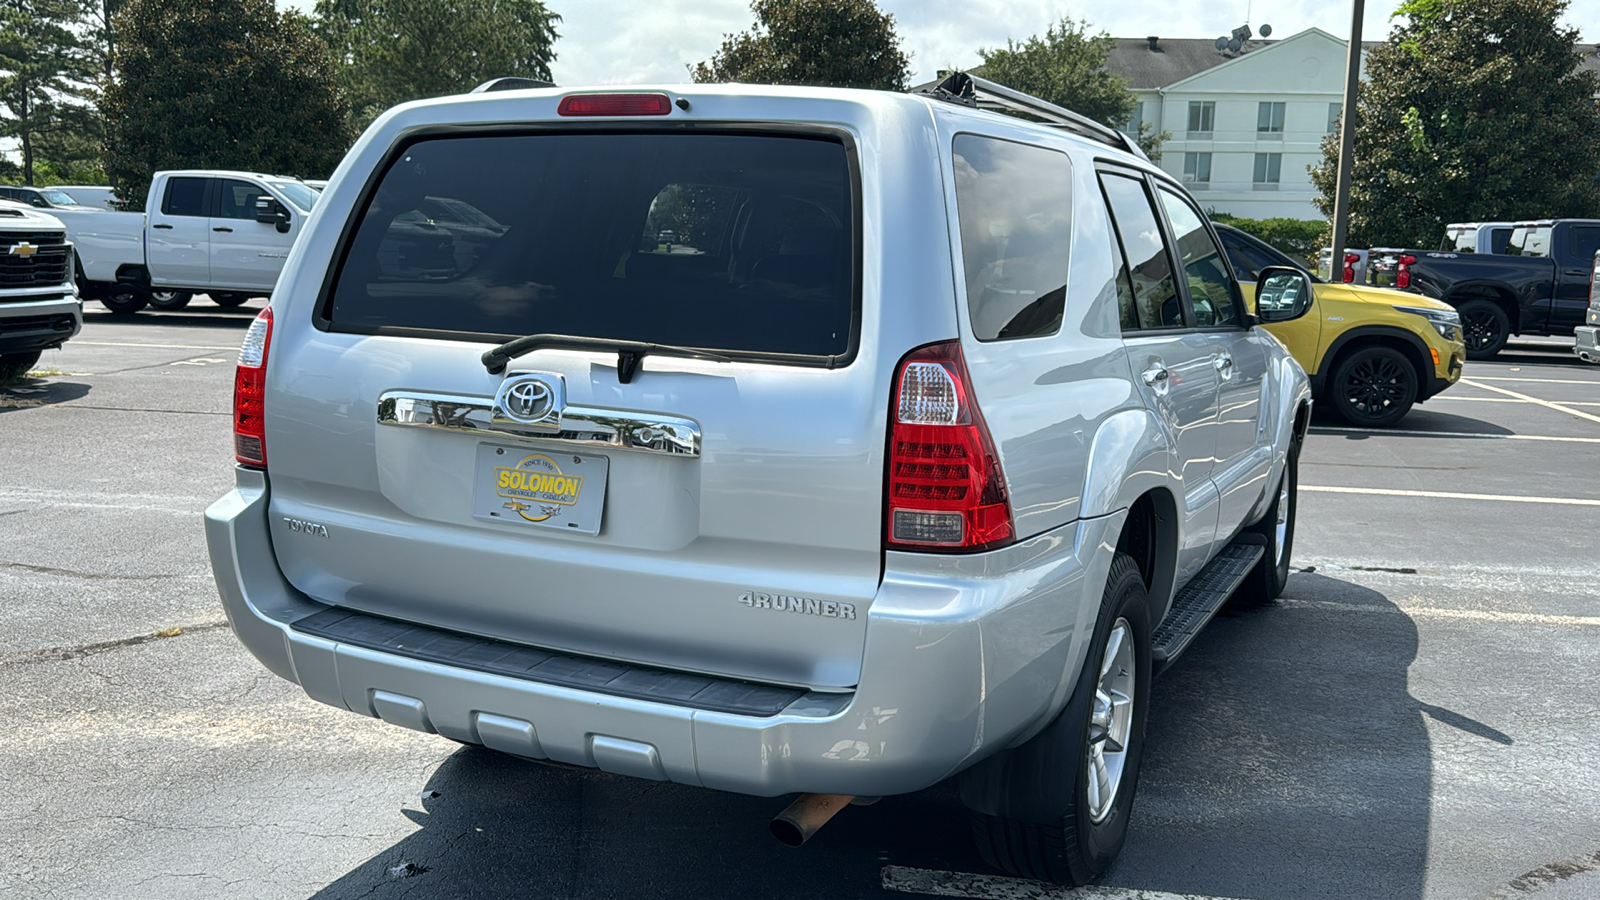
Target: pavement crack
<point x="61" y="654"/>
<point x="73" y="573"/>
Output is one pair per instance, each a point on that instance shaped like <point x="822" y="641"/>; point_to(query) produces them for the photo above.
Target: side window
<point x="1244" y="267"/>
<point x="1499" y="239"/>
<point x="1014" y="204"/>
<point x="1155" y="296"/>
<point x="238" y="199"/>
<point x="1584" y="241"/>
<point x="185" y="197"/>
<point x="1212" y="292"/>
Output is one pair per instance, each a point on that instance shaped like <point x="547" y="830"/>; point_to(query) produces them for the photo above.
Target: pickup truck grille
<point x="48" y="265"/>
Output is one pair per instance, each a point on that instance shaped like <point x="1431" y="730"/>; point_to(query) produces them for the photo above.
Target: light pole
<point x="1347" y="141"/>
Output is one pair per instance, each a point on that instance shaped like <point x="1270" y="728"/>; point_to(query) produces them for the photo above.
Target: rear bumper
<point x="964" y="656"/>
<point x="1587" y="345"/>
<point x="38" y="321"/>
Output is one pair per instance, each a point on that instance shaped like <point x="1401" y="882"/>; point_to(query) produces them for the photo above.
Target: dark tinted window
<point x="1248" y="260"/>
<point x="185" y="197"/>
<point x="561" y="233"/>
<point x="1155" y="295"/>
<point x="238" y="199"/>
<point x="1498" y="240"/>
<point x="1015" y="206"/>
<point x="1583" y="241"/>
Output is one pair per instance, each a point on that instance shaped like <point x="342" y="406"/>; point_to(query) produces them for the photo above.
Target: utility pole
<point x="1347" y="142"/>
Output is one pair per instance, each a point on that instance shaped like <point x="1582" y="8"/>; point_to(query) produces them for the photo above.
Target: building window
<point x="1202" y="115"/>
<point x="1135" y="119"/>
<point x="1268" y="167"/>
<point x="1197" y="171"/>
<point x="1333" y="116"/>
<point x="1269" y="121"/>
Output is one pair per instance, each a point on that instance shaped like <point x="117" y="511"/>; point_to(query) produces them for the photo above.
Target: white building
<point x="1246" y="126"/>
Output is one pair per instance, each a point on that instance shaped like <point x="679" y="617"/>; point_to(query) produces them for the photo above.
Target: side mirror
<point x="270" y="212"/>
<point x="1282" y="294"/>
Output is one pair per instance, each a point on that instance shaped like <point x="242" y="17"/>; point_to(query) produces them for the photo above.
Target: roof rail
<point x="511" y="83"/>
<point x="980" y="93"/>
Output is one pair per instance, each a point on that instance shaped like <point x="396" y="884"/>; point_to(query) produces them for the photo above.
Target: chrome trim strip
<point x="607" y="428"/>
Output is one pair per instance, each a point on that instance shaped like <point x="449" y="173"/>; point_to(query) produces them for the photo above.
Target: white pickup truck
<point x="225" y="234"/>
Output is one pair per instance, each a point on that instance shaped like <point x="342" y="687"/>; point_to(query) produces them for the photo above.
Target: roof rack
<point x="980" y="93"/>
<point x="511" y="83"/>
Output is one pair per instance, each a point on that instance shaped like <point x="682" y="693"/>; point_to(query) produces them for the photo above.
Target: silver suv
<point x="930" y="435"/>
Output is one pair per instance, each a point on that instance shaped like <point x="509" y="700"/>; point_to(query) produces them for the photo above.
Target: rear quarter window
<point x="1014" y="203"/>
<point x="730" y="242"/>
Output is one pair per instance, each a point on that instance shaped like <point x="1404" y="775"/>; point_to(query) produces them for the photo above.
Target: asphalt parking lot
<point x="1419" y="717"/>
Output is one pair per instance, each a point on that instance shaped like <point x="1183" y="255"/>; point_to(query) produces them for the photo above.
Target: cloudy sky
<point x="641" y="41"/>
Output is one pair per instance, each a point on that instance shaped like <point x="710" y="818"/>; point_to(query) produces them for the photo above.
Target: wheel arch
<point x="1498" y="294"/>
<point x="1149" y="537"/>
<point x="1409" y="345"/>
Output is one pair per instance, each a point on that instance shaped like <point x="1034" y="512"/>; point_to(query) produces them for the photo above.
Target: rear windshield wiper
<point x="629" y="353"/>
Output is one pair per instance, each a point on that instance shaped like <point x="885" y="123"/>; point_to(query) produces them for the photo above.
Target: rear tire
<point x="1485" y="328"/>
<point x="1056" y="808"/>
<point x="170" y="300"/>
<point x="1373" y="387"/>
<point x="229" y="301"/>
<point x="16" y="365"/>
<point x="1275" y="532"/>
<point x="126" y="303"/>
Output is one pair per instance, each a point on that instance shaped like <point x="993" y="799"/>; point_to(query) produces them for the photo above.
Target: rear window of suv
<point x="742" y="243"/>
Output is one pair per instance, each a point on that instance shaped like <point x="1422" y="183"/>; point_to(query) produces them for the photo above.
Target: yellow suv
<point x="1370" y="352"/>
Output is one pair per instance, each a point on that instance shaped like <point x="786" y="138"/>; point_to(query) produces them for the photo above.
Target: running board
<point x="1202" y="597"/>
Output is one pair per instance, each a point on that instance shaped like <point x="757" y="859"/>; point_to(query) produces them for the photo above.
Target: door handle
<point x="1156" y="376"/>
<point x="162" y="227"/>
<point x="1578" y="272"/>
<point x="223" y="228"/>
<point x="1222" y="362"/>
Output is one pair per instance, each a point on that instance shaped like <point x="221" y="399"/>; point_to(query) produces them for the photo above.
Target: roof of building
<point x="1175" y="59"/>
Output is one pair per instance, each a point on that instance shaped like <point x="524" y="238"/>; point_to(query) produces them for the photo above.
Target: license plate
<point x="540" y="488"/>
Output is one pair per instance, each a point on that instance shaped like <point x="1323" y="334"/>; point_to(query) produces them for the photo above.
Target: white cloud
<point x="636" y="42"/>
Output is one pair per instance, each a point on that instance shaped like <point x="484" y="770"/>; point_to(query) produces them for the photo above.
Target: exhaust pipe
<point x="809" y="812"/>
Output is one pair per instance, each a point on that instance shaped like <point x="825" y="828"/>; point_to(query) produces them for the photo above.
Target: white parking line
<point x="1480" y="435"/>
<point x="1545" y="403"/>
<point x="152" y="346"/>
<point x="1461" y="399"/>
<point x="1443" y="612"/>
<point x="1537" y="380"/>
<point x="993" y="887"/>
<point x="1448" y="495"/>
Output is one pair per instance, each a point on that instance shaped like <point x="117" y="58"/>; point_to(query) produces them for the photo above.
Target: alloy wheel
<point x="1375" y="385"/>
<point x="1110" y="722"/>
<point x="1480" y="328"/>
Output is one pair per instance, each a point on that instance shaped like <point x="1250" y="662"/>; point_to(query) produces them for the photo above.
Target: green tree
<point x="827" y="43"/>
<point x="228" y="84"/>
<point x="399" y="50"/>
<point x="46" y="76"/>
<point x="1067" y="67"/>
<point x="1472" y="110"/>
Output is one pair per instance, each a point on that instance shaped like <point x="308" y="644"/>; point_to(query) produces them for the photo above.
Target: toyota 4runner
<point x="928" y="438"/>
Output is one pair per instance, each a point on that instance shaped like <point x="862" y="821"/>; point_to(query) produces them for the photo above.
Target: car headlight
<point x="1445" y="321"/>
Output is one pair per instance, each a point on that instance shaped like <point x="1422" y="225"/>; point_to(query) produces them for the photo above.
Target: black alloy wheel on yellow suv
<point x="1372" y="387"/>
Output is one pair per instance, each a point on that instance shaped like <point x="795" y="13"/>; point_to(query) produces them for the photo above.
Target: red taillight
<point x="1350" y="260"/>
<point x="249" y="393"/>
<point x="946" y="491"/>
<point x="1402" y="273"/>
<point x="614" y="105"/>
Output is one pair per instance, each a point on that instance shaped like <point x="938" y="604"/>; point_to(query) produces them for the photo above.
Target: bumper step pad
<point x="601" y="676"/>
<point x="1202" y="597"/>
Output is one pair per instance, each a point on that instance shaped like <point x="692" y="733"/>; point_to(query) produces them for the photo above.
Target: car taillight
<point x="1350" y="260"/>
<point x="614" y="105"/>
<point x="946" y="491"/>
<point x="1402" y="275"/>
<point x="249" y="393"/>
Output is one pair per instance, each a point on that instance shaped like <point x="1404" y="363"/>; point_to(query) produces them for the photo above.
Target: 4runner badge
<point x="804" y="605"/>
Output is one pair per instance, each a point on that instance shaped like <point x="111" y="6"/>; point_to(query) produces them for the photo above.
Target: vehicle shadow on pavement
<point x="501" y="827"/>
<point x="205" y="317"/>
<point x="1418" y="419"/>
<point x="1534" y="355"/>
<point x="1286" y="757"/>
<point x="32" y="393"/>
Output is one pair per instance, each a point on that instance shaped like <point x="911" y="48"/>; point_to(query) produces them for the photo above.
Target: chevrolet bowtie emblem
<point x="23" y="250"/>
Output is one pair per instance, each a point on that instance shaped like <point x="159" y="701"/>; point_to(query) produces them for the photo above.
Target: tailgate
<point x="717" y="515"/>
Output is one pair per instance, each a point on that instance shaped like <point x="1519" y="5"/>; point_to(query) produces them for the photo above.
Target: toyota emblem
<point x="528" y="399"/>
